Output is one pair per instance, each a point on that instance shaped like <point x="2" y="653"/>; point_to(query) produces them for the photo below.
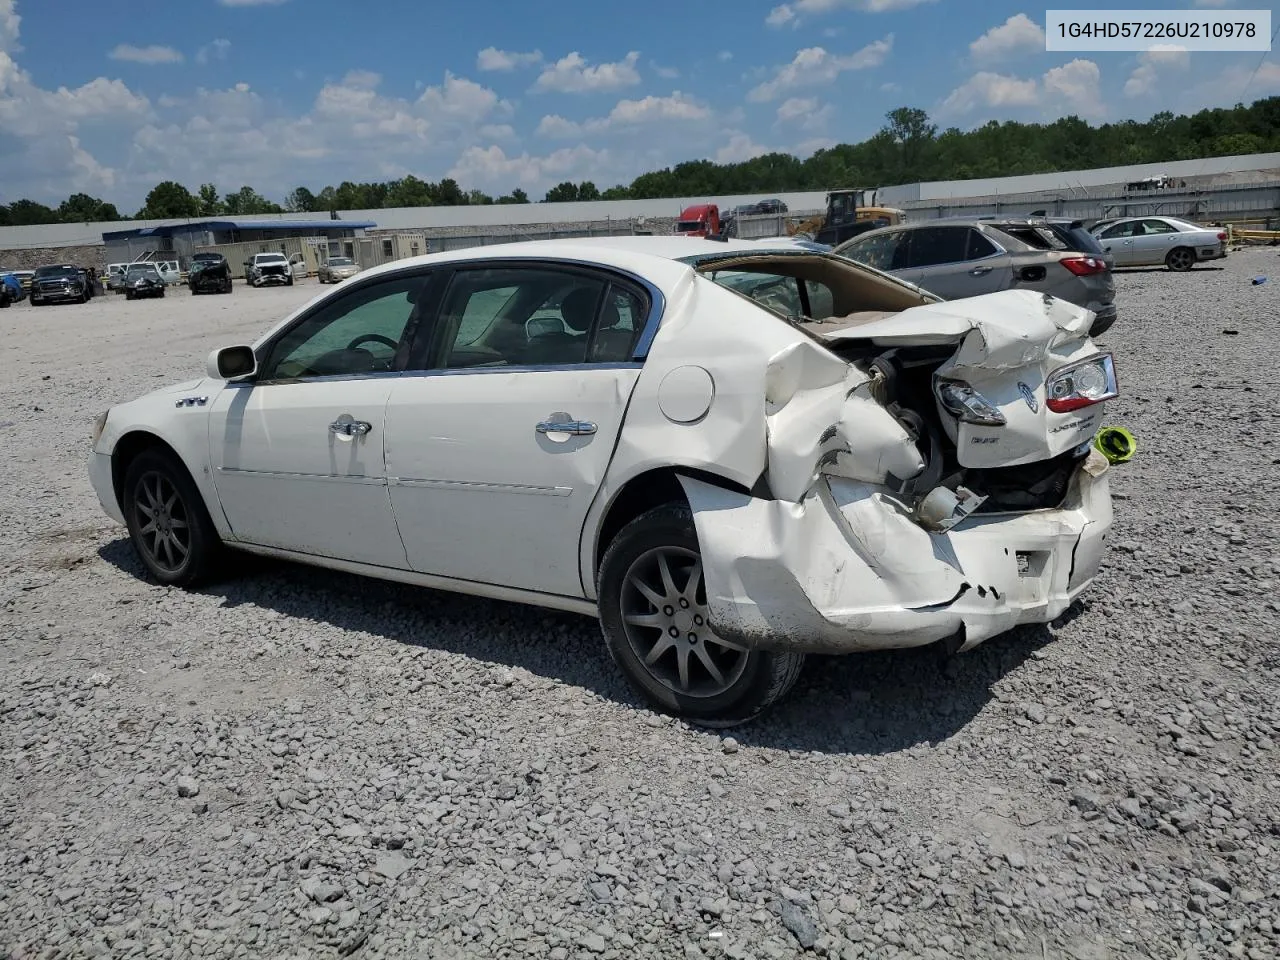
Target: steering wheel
<point x="373" y="338"/>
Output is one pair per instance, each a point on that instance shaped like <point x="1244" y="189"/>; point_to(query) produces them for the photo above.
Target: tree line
<point x="908" y="148"/>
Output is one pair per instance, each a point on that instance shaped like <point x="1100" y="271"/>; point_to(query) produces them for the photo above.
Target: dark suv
<point x="59" y="283"/>
<point x="958" y="258"/>
<point x="209" y="273"/>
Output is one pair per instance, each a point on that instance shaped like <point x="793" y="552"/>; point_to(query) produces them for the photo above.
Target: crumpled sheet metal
<point x="822" y="419"/>
<point x="999" y="331"/>
<point x="845" y="570"/>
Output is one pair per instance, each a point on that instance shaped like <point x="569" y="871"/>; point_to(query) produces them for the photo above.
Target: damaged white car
<point x="733" y="455"/>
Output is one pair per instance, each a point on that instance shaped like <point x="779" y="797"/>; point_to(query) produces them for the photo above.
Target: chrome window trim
<point x="442" y="372"/>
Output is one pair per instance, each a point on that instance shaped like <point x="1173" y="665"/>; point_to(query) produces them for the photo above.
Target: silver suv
<point x="957" y="258"/>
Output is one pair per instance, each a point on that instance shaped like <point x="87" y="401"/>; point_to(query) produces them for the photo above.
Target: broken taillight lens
<point x="968" y="404"/>
<point x="1084" y="266"/>
<point x="1082" y="384"/>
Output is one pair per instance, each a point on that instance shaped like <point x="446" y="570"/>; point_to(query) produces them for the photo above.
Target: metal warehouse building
<point x="283" y="236"/>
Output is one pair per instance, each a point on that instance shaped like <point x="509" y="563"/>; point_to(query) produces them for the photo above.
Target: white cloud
<point x="1073" y="88"/>
<point x="498" y="131"/>
<point x="724" y="56"/>
<point x="781" y="16"/>
<point x="991" y="90"/>
<point x="491" y="58"/>
<point x="572" y="74"/>
<point x="461" y="99"/>
<point x="1145" y="78"/>
<point x="740" y="147"/>
<point x="814" y="66"/>
<point x="149" y="55"/>
<point x="1019" y="34"/>
<point x="214" y="50"/>
<point x="805" y="112"/>
<point x="556" y="127"/>
<point x="666" y="73"/>
<point x="791" y="12"/>
<point x="9" y="24"/>
<point x="490" y="168"/>
<point x="626" y="114"/>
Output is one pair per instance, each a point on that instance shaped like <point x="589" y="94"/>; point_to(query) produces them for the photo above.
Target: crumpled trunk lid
<point x="1007" y="345"/>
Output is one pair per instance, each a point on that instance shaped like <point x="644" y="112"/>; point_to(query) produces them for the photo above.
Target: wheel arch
<point x="128" y="448"/>
<point x="642" y="493"/>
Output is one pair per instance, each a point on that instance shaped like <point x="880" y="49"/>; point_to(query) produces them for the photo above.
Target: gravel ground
<point x="303" y="764"/>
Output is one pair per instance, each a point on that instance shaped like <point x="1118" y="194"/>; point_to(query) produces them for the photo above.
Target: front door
<point x="958" y="262"/>
<point x="495" y="455"/>
<point x="1118" y="240"/>
<point x="298" y="453"/>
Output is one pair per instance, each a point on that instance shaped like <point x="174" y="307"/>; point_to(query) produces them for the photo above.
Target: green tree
<point x="588" y="191"/>
<point x="449" y="194"/>
<point x="169" y="201"/>
<point x="24" y="213"/>
<point x="562" y="193"/>
<point x="300" y="200"/>
<point x="515" y="196"/>
<point x="210" y="203"/>
<point x="410" y="192"/>
<point x="247" y="200"/>
<point x="478" y="198"/>
<point x="82" y="208"/>
<point x="618" y="192"/>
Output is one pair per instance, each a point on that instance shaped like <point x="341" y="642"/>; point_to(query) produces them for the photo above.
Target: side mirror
<point x="232" y="363"/>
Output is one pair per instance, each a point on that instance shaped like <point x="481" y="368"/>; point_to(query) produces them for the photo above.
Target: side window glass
<point x="932" y="246"/>
<point x="875" y="251"/>
<point x="518" y="317"/>
<point x="1156" y="226"/>
<point x="821" y="300"/>
<point x="359" y="333"/>
<point x="621" y="322"/>
<point x="979" y="246"/>
<point x="778" y="293"/>
<point x="1119" y="230"/>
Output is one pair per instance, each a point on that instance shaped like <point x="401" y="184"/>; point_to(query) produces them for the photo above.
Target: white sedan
<point x="1149" y="241"/>
<point x="616" y="427"/>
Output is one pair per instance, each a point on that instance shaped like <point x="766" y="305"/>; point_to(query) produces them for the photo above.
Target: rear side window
<point x="979" y="246"/>
<point x="931" y="246"/>
<point x="886" y="251"/>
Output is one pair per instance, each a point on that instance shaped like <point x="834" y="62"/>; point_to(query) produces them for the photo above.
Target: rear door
<point x="1157" y="239"/>
<point x="496" y="451"/>
<point x="955" y="262"/>
<point x="1118" y="240"/>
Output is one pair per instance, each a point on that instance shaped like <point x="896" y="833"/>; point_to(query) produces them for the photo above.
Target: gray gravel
<point x="302" y="764"/>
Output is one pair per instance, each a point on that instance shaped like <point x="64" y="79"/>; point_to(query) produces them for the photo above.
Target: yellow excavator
<point x="847" y="216"/>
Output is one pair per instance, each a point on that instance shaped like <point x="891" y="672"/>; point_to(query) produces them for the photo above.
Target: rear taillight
<point x="1084" y="266"/>
<point x="1222" y="236"/>
<point x="1082" y="384"/>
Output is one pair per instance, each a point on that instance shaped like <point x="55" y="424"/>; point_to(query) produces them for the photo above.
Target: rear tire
<point x="167" y="519"/>
<point x="650" y="584"/>
<point x="1180" y="259"/>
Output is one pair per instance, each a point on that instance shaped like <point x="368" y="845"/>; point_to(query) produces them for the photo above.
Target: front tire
<point x="1180" y="259"/>
<point x="168" y="522"/>
<point x="656" y="624"/>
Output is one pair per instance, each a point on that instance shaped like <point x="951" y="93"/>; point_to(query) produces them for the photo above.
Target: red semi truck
<point x="700" y="220"/>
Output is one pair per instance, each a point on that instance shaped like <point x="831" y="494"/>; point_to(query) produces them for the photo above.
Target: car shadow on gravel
<point x="863" y="704"/>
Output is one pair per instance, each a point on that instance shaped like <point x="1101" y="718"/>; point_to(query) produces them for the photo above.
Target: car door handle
<point x="350" y="428"/>
<point x="979" y="271"/>
<point x="578" y="428"/>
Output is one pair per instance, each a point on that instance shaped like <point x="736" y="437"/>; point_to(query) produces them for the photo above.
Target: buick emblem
<point x="1028" y="395"/>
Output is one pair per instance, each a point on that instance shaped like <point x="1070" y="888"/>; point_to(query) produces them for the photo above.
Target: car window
<point x="1157" y="226"/>
<point x="821" y="300"/>
<point x="358" y="333"/>
<point x="931" y="246"/>
<point x="1120" y="230"/>
<point x="886" y="251"/>
<point x="535" y="316"/>
<point x="979" y="246"/>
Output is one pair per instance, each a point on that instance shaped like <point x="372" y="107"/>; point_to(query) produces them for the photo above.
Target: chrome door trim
<point x="479" y="486"/>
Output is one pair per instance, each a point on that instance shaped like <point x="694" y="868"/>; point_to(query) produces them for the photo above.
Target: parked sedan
<point x="1147" y="241"/>
<point x="337" y="269"/>
<point x="610" y="427"/>
<point x="973" y="256"/>
<point x="142" y="280"/>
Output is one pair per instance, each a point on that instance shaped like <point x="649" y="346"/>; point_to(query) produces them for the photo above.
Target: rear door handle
<point x="577" y="428"/>
<point x="350" y="428"/>
<point x="979" y="271"/>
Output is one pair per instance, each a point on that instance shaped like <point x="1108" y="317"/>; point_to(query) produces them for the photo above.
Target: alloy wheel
<point x="1181" y="259"/>
<point x="665" y="617"/>
<point x="164" y="530"/>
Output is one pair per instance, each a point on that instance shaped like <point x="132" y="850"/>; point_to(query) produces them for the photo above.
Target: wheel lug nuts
<point x="674" y="632"/>
<point x="684" y="604"/>
<point x="697" y="620"/>
<point x="693" y="638"/>
<point x="669" y="610"/>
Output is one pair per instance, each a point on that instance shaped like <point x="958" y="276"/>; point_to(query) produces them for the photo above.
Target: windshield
<point x="270" y="258"/>
<point x="686" y="225"/>
<point x="340" y="262"/>
<point x="143" y="270"/>
<point x="64" y="270"/>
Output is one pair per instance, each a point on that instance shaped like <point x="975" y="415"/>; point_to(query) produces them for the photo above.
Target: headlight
<point x="98" y="426"/>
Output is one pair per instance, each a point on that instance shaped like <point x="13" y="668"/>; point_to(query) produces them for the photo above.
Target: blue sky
<point x="109" y="97"/>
